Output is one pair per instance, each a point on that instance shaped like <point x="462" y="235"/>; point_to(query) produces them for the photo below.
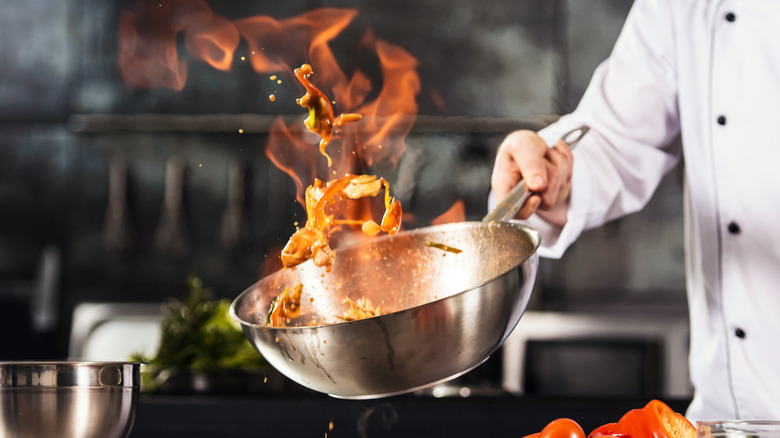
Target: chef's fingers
<point x="561" y="157"/>
<point x="520" y="156"/>
<point x="529" y="208"/>
<point x="559" y="171"/>
<point x="566" y="165"/>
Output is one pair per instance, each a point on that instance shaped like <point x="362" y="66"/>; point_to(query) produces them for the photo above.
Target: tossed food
<point x="311" y="241"/>
<point x="321" y="120"/>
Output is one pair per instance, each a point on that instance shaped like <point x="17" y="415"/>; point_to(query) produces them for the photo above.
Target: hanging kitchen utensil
<point x="171" y="234"/>
<point x="450" y="295"/>
<point x="117" y="236"/>
<point x="233" y="227"/>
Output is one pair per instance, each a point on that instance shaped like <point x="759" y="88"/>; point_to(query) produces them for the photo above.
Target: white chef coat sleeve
<point x="631" y="107"/>
<point x="556" y="239"/>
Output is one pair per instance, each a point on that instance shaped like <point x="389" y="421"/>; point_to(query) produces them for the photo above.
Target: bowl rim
<point x="69" y="373"/>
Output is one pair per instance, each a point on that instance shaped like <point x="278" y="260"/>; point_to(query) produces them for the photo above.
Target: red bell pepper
<point x="560" y="428"/>
<point x="655" y="420"/>
<point x="607" y="430"/>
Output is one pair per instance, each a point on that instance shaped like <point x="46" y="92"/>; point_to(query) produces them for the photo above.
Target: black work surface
<point x="403" y="416"/>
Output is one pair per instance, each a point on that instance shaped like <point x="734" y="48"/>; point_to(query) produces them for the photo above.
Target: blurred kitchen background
<point x="112" y="194"/>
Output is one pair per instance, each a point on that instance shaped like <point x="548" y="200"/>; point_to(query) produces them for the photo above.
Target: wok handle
<point x="508" y="207"/>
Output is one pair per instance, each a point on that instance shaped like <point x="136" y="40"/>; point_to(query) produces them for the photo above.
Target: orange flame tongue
<point x="390" y="117"/>
<point x="148" y="56"/>
<point x="212" y="39"/>
<point x="276" y="45"/>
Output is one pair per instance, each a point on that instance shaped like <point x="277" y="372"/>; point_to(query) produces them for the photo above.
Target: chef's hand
<point x="546" y="171"/>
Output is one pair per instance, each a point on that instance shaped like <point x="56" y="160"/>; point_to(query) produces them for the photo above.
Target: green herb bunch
<point x="198" y="336"/>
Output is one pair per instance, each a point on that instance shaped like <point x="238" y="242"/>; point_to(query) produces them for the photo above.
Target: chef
<point x="709" y="71"/>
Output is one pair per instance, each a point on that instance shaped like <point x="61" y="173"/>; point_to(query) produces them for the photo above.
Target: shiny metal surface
<point x="447" y="312"/>
<point x="738" y="429"/>
<point x="68" y="399"/>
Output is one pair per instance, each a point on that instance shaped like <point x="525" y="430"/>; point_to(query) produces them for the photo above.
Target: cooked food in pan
<point x="285" y="307"/>
<point x="312" y="241"/>
<point x="321" y="198"/>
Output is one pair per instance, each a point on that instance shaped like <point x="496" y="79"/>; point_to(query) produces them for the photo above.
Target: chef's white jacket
<point x="710" y="71"/>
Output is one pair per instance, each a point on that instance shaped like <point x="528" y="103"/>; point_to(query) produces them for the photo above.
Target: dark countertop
<point x="401" y="416"/>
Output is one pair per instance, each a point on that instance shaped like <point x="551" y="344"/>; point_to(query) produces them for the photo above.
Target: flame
<point x="291" y="154"/>
<point x="281" y="45"/>
<point x="148" y="54"/>
<point x="148" y="57"/>
<point x="456" y="213"/>
<point x="212" y="39"/>
<point x="388" y="117"/>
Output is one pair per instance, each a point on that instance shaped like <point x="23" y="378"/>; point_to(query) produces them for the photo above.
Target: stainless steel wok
<point x="444" y="312"/>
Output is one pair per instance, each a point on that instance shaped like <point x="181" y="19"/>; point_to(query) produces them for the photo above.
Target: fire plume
<point x="388" y="117"/>
<point x="280" y="45"/>
<point x="291" y="153"/>
<point x="212" y="39"/>
<point x="149" y="57"/>
<point x="148" y="53"/>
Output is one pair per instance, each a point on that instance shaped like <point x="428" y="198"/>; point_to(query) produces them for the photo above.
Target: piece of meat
<point x="362" y="186"/>
<point x="299" y="247"/>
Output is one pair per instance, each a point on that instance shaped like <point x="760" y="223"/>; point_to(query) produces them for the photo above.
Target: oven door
<point x="628" y="354"/>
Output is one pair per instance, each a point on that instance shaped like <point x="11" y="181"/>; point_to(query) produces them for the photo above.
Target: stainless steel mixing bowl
<point x="68" y="399"/>
<point x="447" y="312"/>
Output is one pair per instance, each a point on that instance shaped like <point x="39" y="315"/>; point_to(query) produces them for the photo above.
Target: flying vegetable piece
<point x="444" y="247"/>
<point x="311" y="241"/>
<point x="320" y="120"/>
